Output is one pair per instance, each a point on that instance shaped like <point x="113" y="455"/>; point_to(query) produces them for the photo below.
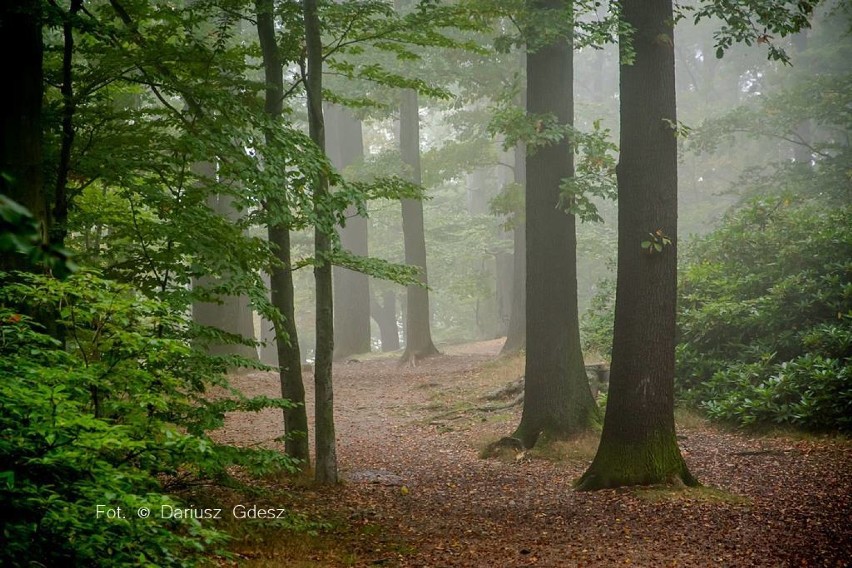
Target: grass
<point x="690" y="419"/>
<point x="581" y="449"/>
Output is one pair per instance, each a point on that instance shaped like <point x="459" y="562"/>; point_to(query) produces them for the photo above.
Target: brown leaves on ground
<point x="418" y="493"/>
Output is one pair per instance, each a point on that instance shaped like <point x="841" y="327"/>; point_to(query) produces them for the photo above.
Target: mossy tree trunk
<point x="557" y="399"/>
<point x="638" y="444"/>
<point x="281" y="278"/>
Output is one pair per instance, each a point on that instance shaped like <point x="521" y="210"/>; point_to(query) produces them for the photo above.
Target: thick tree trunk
<point x="326" y="464"/>
<point x="557" y="399"/>
<point x="351" y="289"/>
<point x="385" y="316"/>
<point x="233" y="315"/>
<point x="418" y="334"/>
<point x="281" y="279"/>
<point x="516" y="337"/>
<point x="21" y="175"/>
<point x="638" y="444"/>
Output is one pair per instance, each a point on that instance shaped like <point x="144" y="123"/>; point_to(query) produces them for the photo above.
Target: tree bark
<point x="638" y="444"/>
<point x="326" y="464"/>
<point x="516" y="337"/>
<point x="21" y="147"/>
<point x="281" y="278"/>
<point x="231" y="314"/>
<point x="418" y="334"/>
<point x="557" y="399"/>
<point x="351" y="289"/>
<point x="385" y="316"/>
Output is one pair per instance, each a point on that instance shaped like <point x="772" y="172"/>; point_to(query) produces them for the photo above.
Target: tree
<point x="638" y="443"/>
<point x="21" y="174"/>
<point x="516" y="336"/>
<point x="418" y="335"/>
<point x="326" y="460"/>
<point x="227" y="313"/>
<point x="351" y="289"/>
<point x="557" y="399"/>
<point x="281" y="275"/>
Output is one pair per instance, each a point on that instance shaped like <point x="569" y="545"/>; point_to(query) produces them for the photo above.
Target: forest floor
<point x="415" y="491"/>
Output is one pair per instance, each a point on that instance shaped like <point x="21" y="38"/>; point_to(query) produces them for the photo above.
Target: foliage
<point x="118" y="418"/>
<point x="766" y="316"/>
<point x="754" y="22"/>
<point x="596" y="324"/>
<point x="20" y="234"/>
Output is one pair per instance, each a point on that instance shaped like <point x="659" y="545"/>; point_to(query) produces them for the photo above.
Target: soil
<point x="417" y="493"/>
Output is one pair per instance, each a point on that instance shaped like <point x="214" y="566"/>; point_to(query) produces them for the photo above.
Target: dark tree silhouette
<point x="638" y="443"/>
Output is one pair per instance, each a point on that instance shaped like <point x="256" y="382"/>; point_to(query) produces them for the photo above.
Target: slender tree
<point x="326" y="460"/>
<point x="345" y="146"/>
<point x="418" y="334"/>
<point x="281" y="276"/>
<point x="638" y="443"/>
<point x="516" y="336"/>
<point x="557" y="399"/>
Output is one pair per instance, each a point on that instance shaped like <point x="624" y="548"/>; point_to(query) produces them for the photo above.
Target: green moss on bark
<point x="657" y="461"/>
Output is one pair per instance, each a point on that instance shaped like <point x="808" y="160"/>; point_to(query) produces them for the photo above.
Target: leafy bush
<point x="765" y="317"/>
<point x="811" y="391"/>
<point x="110" y="418"/>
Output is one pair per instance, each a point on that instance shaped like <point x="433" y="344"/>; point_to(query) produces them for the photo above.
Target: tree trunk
<point x="281" y="278"/>
<point x="326" y="464"/>
<point x="516" y="338"/>
<point x="385" y="316"/>
<point x="21" y="175"/>
<point x="233" y="314"/>
<point x="557" y="399"/>
<point x="504" y="274"/>
<point x="638" y="444"/>
<point x="351" y="289"/>
<point x="418" y="335"/>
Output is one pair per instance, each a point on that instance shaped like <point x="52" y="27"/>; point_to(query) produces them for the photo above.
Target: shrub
<point x="107" y="417"/>
<point x="765" y="317"/>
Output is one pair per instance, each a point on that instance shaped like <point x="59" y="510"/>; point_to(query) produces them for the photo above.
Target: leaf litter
<point x="417" y="492"/>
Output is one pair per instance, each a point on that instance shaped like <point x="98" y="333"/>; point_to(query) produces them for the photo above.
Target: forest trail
<point x="417" y="493"/>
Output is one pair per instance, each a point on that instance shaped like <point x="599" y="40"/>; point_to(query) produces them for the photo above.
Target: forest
<point x="426" y="283"/>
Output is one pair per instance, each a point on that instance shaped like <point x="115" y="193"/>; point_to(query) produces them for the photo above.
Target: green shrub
<point x="107" y="418"/>
<point x="811" y="392"/>
<point x="765" y="317"/>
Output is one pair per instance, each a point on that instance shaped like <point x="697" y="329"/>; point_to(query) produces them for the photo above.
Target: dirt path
<point x="418" y="494"/>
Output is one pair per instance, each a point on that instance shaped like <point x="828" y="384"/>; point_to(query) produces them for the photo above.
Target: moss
<point x="657" y="461"/>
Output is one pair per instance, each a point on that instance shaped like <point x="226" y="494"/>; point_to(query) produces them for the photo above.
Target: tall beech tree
<point x="326" y="452"/>
<point x="418" y="333"/>
<point x="638" y="443"/>
<point x="281" y="276"/>
<point x="557" y="399"/>
<point x="345" y="146"/>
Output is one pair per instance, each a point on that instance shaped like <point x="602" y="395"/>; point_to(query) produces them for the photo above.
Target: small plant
<point x="658" y="240"/>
